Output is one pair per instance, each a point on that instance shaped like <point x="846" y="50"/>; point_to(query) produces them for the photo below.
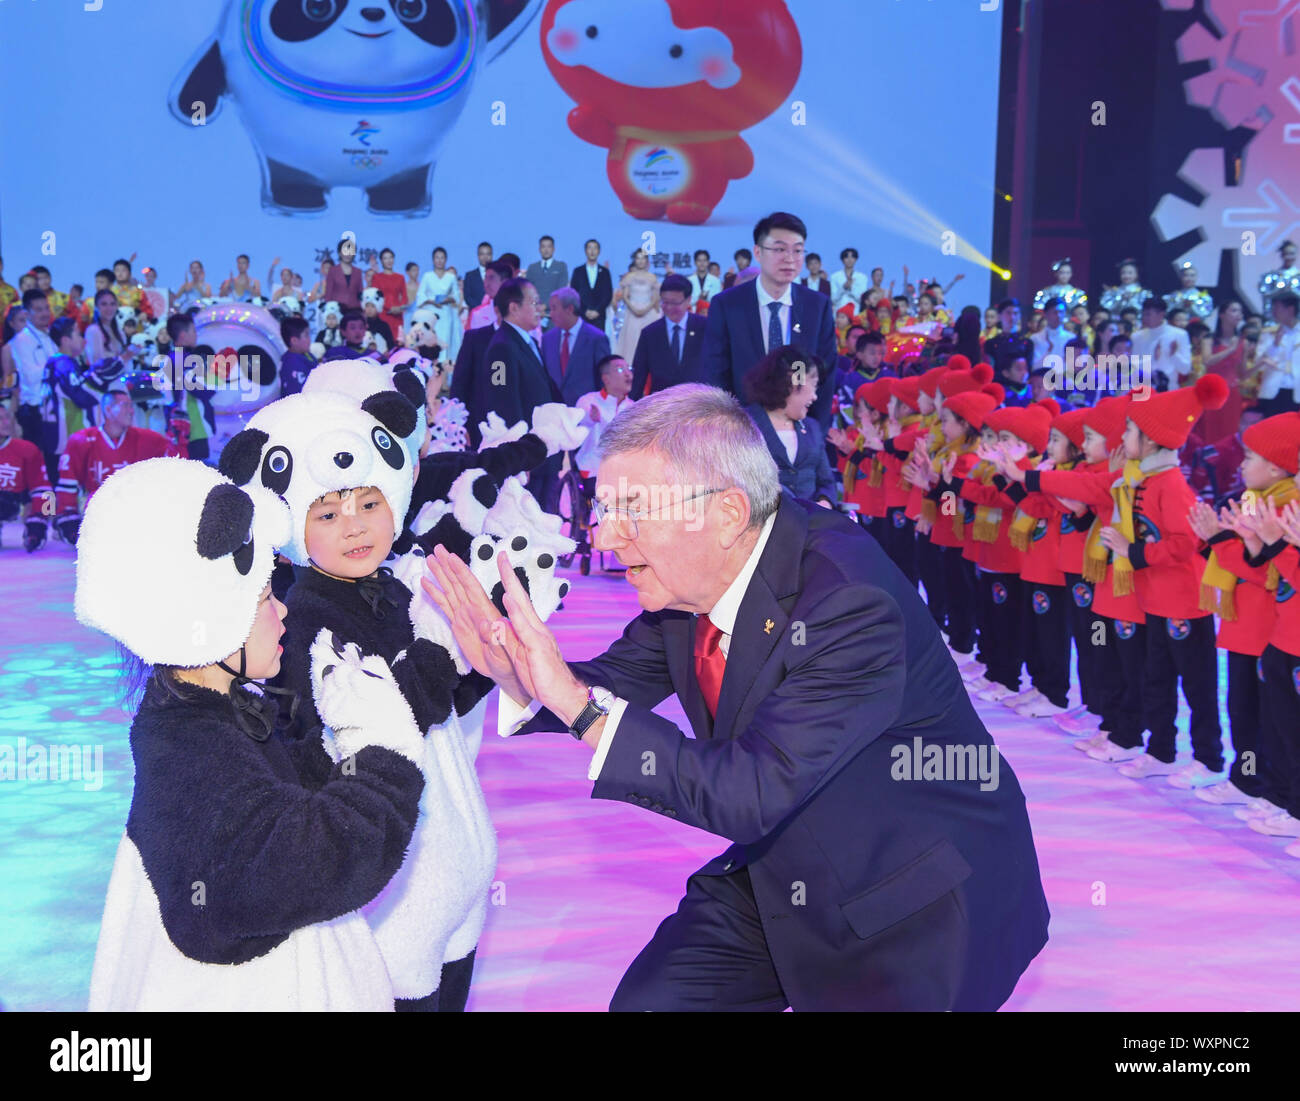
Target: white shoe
<point x="1224" y="793"/>
<point x="1022" y="698"/>
<point x="1076" y="724"/>
<point x="1194" y="775"/>
<point x="978" y="684"/>
<point x="1293" y="849"/>
<point x="1147" y="766"/>
<point x="1107" y="750"/>
<point x="971" y="669"/>
<point x="1254" y="808"/>
<point x="1098" y="740"/>
<point x="996" y="692"/>
<point x="1041" y="708"/>
<point x="1280" y="824"/>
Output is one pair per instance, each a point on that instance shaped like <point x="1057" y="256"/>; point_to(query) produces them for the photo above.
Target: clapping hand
<point x="949" y="465"/>
<point x="1118" y="458"/>
<point x="1242" y="522"/>
<point x="1204" y="521"/>
<point x="840" y="439"/>
<point x="1115" y="541"/>
<point x="1289" y="521"/>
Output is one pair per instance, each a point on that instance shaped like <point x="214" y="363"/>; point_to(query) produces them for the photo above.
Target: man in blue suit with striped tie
<point x="757" y="317"/>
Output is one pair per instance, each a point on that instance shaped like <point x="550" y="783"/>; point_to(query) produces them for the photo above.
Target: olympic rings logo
<point x="363" y="160"/>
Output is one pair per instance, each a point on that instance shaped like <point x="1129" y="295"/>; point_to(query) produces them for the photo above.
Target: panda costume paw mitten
<point x="494" y="431"/>
<point x="559" y="427"/>
<point x="534" y="568"/>
<point x="359" y="702"/>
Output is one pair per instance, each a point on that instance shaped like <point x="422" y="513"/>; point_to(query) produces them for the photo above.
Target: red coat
<point x="942" y="534"/>
<point x="1040" y="564"/>
<point x="998" y="556"/>
<point x="1255" y="605"/>
<point x="1286" y="628"/>
<point x="1070" y="546"/>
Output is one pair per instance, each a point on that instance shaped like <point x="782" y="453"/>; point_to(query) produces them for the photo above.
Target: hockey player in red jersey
<point x="94" y="453"/>
<point x="23" y="481"/>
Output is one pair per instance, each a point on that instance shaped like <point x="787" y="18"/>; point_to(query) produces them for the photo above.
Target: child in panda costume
<point x="238" y="882"/>
<point x="346" y="470"/>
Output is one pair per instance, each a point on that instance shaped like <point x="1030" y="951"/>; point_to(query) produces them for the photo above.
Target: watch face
<point x="603" y="698"/>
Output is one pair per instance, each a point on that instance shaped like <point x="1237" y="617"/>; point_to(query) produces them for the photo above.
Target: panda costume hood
<point x="361" y="378"/>
<point x="283" y="865"/>
<point x="306" y="445"/>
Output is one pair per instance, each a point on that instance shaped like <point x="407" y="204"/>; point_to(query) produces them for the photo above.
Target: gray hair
<point x="568" y="296"/>
<point x="705" y="437"/>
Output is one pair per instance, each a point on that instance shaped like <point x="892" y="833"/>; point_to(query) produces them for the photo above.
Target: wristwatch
<point x="599" y="702"/>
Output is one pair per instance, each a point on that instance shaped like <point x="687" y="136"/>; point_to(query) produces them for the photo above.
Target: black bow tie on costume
<point x="374" y="591"/>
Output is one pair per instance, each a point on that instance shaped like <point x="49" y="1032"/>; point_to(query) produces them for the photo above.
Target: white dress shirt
<point x="609" y="407"/>
<point x="30" y="349"/>
<point x="1282" y="347"/>
<point x="1049" y="342"/>
<point x="1175" y="364"/>
<point x="845" y="289"/>
<point x="593" y="273"/>
<point x="786" y="300"/>
<point x="723" y="616"/>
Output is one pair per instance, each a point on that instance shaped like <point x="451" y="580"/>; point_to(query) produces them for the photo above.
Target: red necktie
<point x="564" y="352"/>
<point x="710" y="662"/>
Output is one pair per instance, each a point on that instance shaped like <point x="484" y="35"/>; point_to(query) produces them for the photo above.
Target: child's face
<point x="990" y="318"/>
<point x="1013" y="447"/>
<point x="262" y="650"/>
<point x="350" y="534"/>
<point x="354" y="332"/>
<point x="988" y="438"/>
<point x="841" y="323"/>
<point x="331" y="321"/>
<point x="121" y="273"/>
<point x="1017" y="371"/>
<point x="1094" y="445"/>
<point x="1258" y="473"/>
<point x="1133" y="440"/>
<point x="953" y="429"/>
<point x="926" y="403"/>
<point x="1058" y="447"/>
<point x="1038" y="388"/>
<point x="300" y="343"/>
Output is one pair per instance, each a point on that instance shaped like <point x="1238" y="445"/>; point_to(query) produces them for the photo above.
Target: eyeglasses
<point x="784" y="250"/>
<point x="624" y="521"/>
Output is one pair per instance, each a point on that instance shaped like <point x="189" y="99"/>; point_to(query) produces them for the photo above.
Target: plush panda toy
<point x="339" y="94"/>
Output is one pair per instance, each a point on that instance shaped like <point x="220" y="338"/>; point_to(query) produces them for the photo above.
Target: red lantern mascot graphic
<point x="666" y="86"/>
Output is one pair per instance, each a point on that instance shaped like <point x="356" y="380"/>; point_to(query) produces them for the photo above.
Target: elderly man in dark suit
<point x="571" y="347"/>
<point x="881" y="854"/>
<point x="547" y="274"/>
<point x="512" y="380"/>
<point x="671" y="350"/>
<point x="754" y="318"/>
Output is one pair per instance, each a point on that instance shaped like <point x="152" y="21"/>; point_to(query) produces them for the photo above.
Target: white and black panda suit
<point x="428" y="920"/>
<point x="305" y="76"/>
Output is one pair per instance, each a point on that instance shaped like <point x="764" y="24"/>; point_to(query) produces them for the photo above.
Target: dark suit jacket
<point x="654" y="357"/>
<point x="473" y="287"/>
<point x="733" y="340"/>
<point x="809" y="476"/>
<point x="469" y="363"/>
<point x="597" y="298"/>
<point x="589" y="347"/>
<point x="836" y="669"/>
<point x="524" y="383"/>
<point x="823" y="285"/>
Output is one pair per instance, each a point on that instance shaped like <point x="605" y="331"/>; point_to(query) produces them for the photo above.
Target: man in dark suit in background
<point x="469" y="360"/>
<point x="881" y="854"/>
<point x="671" y="350"/>
<point x="548" y="274"/>
<point x="571" y="347"/>
<point x="512" y="380"/>
<point x="473" y="281"/>
<point x="595" y="290"/>
<point x="754" y="318"/>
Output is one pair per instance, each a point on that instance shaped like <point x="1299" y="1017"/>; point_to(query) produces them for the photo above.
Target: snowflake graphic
<point x="1252" y="77"/>
<point x="1265" y="204"/>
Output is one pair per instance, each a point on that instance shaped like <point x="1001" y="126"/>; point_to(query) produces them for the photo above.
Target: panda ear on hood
<point x="239" y="458"/>
<point x="409" y="386"/>
<point x="392" y="410"/>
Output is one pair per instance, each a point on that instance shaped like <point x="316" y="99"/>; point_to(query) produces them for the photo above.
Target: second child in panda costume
<point x="344" y="471"/>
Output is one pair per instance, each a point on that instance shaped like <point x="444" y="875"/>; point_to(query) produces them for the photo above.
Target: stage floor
<point x="1159" y="901"/>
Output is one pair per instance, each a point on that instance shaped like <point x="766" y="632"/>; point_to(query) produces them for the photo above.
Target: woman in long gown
<point x="1227" y="358"/>
<point x="439" y="291"/>
<point x="639" y="292"/>
<point x="392" y="285"/>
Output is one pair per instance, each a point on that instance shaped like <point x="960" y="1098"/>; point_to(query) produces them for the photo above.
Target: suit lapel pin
<point x="796" y="328"/>
<point x="767" y="627"/>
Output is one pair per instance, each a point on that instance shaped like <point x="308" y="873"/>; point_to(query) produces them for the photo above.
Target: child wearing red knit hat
<point x="904" y="428"/>
<point x="943" y="509"/>
<point x="864" y="473"/>
<point x="1244" y="598"/>
<point x="1035" y="533"/>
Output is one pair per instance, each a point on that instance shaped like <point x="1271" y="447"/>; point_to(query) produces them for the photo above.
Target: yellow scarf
<point x="929" y="510"/>
<point x="987" y="518"/>
<point x="1122" y="492"/>
<point x="1217" y="584"/>
<point x="1022" y="525"/>
<point x="904" y="425"/>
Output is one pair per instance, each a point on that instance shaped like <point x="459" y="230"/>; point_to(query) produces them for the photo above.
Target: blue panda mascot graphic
<point x="347" y="93"/>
